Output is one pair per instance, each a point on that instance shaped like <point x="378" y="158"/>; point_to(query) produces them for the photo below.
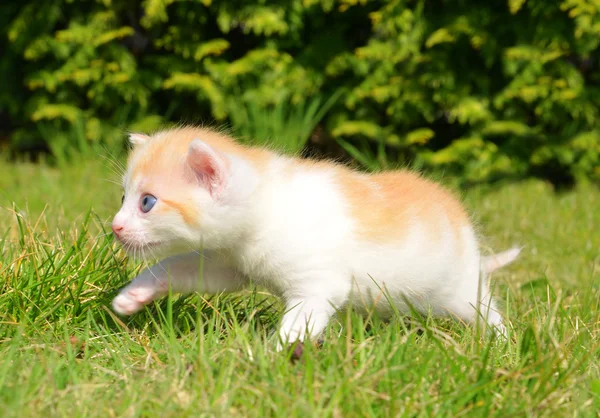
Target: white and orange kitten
<point x="317" y="234"/>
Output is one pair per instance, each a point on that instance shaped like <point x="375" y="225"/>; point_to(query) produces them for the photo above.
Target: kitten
<point x="315" y="233"/>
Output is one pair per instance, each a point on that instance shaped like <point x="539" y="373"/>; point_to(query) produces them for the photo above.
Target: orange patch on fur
<point x="386" y="204"/>
<point x="189" y="215"/>
<point x="162" y="159"/>
<point x="171" y="146"/>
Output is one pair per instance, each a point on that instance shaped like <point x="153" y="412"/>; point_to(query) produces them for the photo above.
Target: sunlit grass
<point x="64" y="353"/>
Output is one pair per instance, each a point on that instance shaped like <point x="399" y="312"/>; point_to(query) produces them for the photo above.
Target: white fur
<point x="294" y="234"/>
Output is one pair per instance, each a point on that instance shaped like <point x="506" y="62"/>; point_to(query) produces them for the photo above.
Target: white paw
<point x="133" y="299"/>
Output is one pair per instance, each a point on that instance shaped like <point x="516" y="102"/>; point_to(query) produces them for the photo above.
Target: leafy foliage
<point x="477" y="90"/>
<point x="283" y="127"/>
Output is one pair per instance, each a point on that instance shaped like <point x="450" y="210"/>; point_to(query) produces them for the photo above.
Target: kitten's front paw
<point x="133" y="299"/>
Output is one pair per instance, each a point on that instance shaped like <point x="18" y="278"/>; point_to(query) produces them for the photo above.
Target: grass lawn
<point x="64" y="353"/>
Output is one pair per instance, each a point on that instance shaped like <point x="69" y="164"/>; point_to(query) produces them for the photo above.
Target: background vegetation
<point x="478" y="90"/>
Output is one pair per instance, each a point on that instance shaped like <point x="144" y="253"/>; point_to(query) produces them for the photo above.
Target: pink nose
<point x="117" y="229"/>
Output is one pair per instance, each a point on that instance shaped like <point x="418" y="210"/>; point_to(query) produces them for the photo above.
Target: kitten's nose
<point x="117" y="229"/>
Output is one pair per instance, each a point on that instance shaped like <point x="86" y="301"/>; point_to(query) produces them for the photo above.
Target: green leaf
<point x="470" y="110"/>
<point x="212" y="47"/>
<point x="515" y="5"/>
<point x="200" y="84"/>
<point x="352" y="128"/>
<point x="56" y="111"/>
<point x="506" y="127"/>
<point x="440" y="36"/>
<point x="114" y="34"/>
<point x="419" y="136"/>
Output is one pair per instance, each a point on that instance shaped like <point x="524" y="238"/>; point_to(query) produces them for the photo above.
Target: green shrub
<point x="477" y="90"/>
<point x="284" y="126"/>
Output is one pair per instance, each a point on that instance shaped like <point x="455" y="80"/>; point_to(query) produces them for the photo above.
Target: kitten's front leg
<point x="183" y="274"/>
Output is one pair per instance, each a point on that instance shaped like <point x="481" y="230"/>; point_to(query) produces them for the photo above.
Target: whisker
<point x="114" y="165"/>
<point x="196" y="251"/>
<point x="154" y="275"/>
<point x="113" y="160"/>
<point x="143" y="250"/>
<point x="112" y="181"/>
<point x="159" y="263"/>
<point x="114" y="168"/>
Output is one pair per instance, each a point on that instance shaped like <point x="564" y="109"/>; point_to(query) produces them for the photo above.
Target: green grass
<point x="63" y="353"/>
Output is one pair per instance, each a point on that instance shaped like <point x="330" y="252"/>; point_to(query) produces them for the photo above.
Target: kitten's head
<point x="177" y="194"/>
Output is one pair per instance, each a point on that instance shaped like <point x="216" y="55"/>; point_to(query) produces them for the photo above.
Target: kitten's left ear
<point x="209" y="165"/>
<point x="137" y="139"/>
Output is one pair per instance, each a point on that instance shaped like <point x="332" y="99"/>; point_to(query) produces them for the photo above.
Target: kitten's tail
<point x="495" y="261"/>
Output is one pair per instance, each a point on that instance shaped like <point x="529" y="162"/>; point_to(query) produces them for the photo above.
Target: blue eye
<point x="147" y="203"/>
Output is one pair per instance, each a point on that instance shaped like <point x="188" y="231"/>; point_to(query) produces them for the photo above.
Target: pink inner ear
<point x="205" y="167"/>
<point x="205" y="170"/>
<point x="208" y="165"/>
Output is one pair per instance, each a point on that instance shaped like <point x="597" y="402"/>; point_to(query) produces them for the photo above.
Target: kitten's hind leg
<point x="492" y="317"/>
<point x="310" y="306"/>
<point x="183" y="274"/>
<point x="485" y="314"/>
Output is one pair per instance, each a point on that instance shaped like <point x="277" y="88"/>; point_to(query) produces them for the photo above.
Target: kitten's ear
<point x="137" y="139"/>
<point x="209" y="166"/>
